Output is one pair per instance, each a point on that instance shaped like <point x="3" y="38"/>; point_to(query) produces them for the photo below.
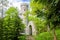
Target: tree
<point x="1" y="28"/>
<point x="3" y="5"/>
<point x="12" y="25"/>
<point x="50" y="10"/>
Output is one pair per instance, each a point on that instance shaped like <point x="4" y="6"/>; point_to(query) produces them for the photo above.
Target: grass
<point x="47" y="36"/>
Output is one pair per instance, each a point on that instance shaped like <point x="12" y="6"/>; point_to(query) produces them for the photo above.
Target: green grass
<point x="47" y="36"/>
<point x="58" y="34"/>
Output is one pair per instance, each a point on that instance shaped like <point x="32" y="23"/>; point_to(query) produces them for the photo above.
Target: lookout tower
<point x="30" y="27"/>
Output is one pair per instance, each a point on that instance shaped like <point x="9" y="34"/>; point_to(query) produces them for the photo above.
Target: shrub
<point x="58" y="34"/>
<point x="47" y="36"/>
<point x="22" y="37"/>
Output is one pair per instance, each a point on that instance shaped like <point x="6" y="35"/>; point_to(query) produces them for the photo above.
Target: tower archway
<point x="30" y="31"/>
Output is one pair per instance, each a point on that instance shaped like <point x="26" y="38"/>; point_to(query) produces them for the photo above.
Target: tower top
<point x="24" y="7"/>
<point x="24" y="4"/>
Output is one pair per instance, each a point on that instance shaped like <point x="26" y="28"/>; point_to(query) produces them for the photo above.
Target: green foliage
<point x="47" y="9"/>
<point x="58" y="34"/>
<point x="47" y="36"/>
<point x="1" y="27"/>
<point x="44" y="36"/>
<point x="23" y="37"/>
<point x="40" y="23"/>
<point x="39" y="15"/>
<point x="12" y="25"/>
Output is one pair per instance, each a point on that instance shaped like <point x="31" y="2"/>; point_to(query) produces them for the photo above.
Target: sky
<point x="19" y="0"/>
<point x="16" y="3"/>
<point x="23" y="0"/>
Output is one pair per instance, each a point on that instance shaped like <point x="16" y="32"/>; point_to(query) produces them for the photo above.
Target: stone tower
<point x="29" y="25"/>
<point x="24" y="7"/>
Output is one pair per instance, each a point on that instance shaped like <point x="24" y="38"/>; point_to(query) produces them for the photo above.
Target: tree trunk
<point x="54" y="34"/>
<point x="48" y="27"/>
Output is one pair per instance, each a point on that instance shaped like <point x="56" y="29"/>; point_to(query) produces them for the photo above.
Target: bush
<point x="11" y="26"/>
<point x="23" y="37"/>
<point x="47" y="36"/>
<point x="58" y="34"/>
<point x="44" y="36"/>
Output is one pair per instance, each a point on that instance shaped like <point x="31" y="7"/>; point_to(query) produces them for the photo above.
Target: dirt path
<point x="29" y="38"/>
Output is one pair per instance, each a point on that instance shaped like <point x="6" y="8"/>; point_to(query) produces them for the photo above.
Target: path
<point x="29" y="38"/>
